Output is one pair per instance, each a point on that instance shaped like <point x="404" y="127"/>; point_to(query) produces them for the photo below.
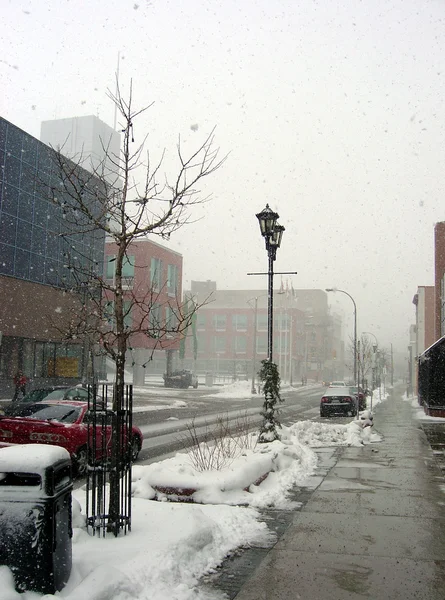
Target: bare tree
<point x="364" y="358"/>
<point x="105" y="201"/>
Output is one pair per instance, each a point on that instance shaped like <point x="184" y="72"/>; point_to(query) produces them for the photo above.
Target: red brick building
<point x="424" y="330"/>
<point x="439" y="278"/>
<point x="153" y="277"/>
<point x="231" y="331"/>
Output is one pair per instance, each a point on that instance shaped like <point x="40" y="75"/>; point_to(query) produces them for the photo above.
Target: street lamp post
<point x="355" y="340"/>
<point x="272" y="233"/>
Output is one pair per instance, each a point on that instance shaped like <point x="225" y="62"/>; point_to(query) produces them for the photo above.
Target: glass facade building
<point x="37" y="248"/>
<point x="31" y="245"/>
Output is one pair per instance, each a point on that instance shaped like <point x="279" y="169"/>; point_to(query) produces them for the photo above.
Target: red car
<point x="63" y="423"/>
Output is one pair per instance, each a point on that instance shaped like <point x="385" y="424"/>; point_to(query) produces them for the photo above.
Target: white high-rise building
<point x="85" y="139"/>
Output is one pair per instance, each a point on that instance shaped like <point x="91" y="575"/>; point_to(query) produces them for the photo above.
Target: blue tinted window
<point x="2" y="164"/>
<point x="38" y="240"/>
<point x="37" y="268"/>
<point x="23" y="234"/>
<point x="6" y="259"/>
<point x="12" y="171"/>
<point x="53" y="222"/>
<point x="3" y="127"/>
<point x="40" y="213"/>
<point x="14" y="141"/>
<point x="27" y="179"/>
<point x="10" y="200"/>
<point x="52" y="246"/>
<point x="29" y="154"/>
<point x="8" y="225"/>
<point x="26" y="202"/>
<point x="21" y="265"/>
<point x="51" y="267"/>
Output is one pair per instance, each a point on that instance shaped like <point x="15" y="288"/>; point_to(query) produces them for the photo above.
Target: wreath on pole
<point x="270" y="377"/>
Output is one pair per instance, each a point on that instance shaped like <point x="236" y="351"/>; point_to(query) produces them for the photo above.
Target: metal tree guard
<point x="109" y="449"/>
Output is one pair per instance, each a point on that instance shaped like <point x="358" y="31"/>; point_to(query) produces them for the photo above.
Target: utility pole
<point x="392" y="367"/>
<point x="290" y="349"/>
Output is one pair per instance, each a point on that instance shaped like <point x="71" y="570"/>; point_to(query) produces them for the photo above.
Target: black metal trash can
<point x="35" y="516"/>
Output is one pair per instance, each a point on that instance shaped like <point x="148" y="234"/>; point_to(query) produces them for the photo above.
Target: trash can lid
<point x="30" y="458"/>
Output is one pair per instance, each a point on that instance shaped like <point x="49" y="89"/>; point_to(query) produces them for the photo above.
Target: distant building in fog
<point x="84" y="139"/>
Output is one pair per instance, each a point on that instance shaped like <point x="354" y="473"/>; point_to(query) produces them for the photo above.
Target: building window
<point x="128" y="319"/>
<point x="282" y="322"/>
<point x="156" y="274"/>
<point x="201" y="321"/>
<point x="262" y="322"/>
<point x="219" y="344"/>
<point x="127" y="270"/>
<point x="171" y="321"/>
<point x="281" y="343"/>
<point x="261" y="344"/>
<point x="58" y="360"/>
<point x="111" y="266"/>
<point x="108" y="313"/>
<point x="219" y="322"/>
<point x="155" y="321"/>
<point x="239" y="322"/>
<point x="172" y="280"/>
<point x="240" y="344"/>
<point x="202" y="343"/>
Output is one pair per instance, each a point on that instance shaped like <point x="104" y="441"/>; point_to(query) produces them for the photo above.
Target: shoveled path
<point x="374" y="528"/>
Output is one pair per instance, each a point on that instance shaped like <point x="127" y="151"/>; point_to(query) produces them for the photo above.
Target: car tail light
<point x="324" y="399"/>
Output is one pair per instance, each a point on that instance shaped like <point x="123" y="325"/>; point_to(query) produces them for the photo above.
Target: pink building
<point x="439" y="278"/>
<point x="153" y="278"/>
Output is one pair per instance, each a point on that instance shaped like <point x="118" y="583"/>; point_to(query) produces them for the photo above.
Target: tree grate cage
<point x="110" y="453"/>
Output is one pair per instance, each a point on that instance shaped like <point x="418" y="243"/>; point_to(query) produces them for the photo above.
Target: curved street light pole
<point x="355" y="340"/>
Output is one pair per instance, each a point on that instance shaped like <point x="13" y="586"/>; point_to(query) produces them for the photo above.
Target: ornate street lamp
<point x="272" y="233"/>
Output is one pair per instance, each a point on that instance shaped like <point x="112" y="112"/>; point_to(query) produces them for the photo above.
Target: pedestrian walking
<point x="20" y="385"/>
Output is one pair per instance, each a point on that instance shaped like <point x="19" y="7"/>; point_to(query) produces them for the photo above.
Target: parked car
<point x="63" y="423"/>
<point x="180" y="379"/>
<point x="54" y="392"/>
<point x="361" y="396"/>
<point x="339" y="400"/>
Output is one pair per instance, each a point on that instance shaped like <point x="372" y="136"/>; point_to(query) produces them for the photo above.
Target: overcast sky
<point x="331" y="111"/>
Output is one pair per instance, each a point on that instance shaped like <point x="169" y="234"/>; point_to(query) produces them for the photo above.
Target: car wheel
<point x="136" y="445"/>
<point x="80" y="462"/>
<point x="195" y="385"/>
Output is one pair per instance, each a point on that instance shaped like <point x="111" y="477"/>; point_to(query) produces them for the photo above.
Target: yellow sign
<point x="64" y="367"/>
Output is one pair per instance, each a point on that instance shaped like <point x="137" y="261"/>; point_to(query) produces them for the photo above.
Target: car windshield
<point x="36" y="395"/>
<point x="67" y="393"/>
<point x="65" y="413"/>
